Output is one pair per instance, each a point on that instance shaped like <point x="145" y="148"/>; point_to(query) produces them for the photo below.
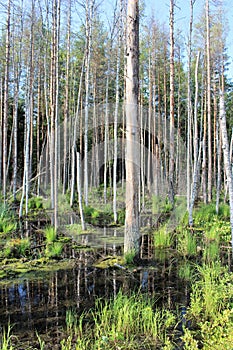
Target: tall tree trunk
<point x="189" y="103"/>
<point x="89" y="17"/>
<point x="227" y="162"/>
<point x="115" y="130"/>
<point x="209" y="103"/>
<point x="66" y="107"/>
<point x="172" y="106"/>
<point x="132" y="232"/>
<point x="5" y="102"/>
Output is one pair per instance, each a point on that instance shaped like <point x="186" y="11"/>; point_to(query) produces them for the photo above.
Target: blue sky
<point x="182" y="15"/>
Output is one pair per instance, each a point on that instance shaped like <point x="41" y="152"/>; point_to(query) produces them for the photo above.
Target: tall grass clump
<point x="162" y="238"/>
<point x="50" y="234"/>
<point x="211" y="252"/>
<point x="186" y="243"/>
<point x="6" y="339"/>
<point x="7" y="220"/>
<point x="129" y="320"/>
<point x="210" y="310"/>
<point x="204" y="213"/>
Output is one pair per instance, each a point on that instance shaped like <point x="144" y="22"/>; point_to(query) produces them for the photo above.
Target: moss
<point x="109" y="261"/>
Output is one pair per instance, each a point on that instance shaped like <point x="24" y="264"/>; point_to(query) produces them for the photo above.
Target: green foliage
<point x="129" y="257"/>
<point x="186" y="243"/>
<point x="35" y="203"/>
<point x="98" y="217"/>
<point x="54" y="250"/>
<point x="50" y="234"/>
<point x="186" y="270"/>
<point x="40" y="341"/>
<point x="210" y="311"/>
<point x="127" y="318"/>
<point x="204" y="213"/>
<point x="6" y="339"/>
<point x="212" y="292"/>
<point x="162" y="238"/>
<point x="16" y="248"/>
<point x="211" y="252"/>
<point x="7" y="220"/>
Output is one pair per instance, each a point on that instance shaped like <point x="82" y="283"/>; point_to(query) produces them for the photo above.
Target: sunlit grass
<point x="6" y="339"/>
<point x="125" y="319"/>
<point x="162" y="238"/>
<point x="50" y="234"/>
<point x="186" y="243"/>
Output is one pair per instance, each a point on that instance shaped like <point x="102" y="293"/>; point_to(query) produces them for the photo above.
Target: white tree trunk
<point x="227" y="161"/>
<point x="132" y="158"/>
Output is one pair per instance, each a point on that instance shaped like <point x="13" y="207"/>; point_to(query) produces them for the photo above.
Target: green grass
<point x="54" y="250"/>
<point x="16" y="248"/>
<point x="210" y="310"/>
<point x="126" y="319"/>
<point x="7" y="220"/>
<point x="50" y="234"/>
<point x="186" y="243"/>
<point x="185" y="270"/>
<point x="162" y="238"/>
<point x="6" y="339"/>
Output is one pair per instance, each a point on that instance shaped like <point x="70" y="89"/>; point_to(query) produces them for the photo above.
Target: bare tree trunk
<point x="66" y="108"/>
<point x="172" y="105"/>
<point x="89" y="17"/>
<point x="115" y="131"/>
<point x="227" y="162"/>
<point x="209" y="103"/>
<point x="132" y="232"/>
<point x="5" y="102"/>
<point x="80" y="193"/>
<point x="189" y="103"/>
<point x="17" y="73"/>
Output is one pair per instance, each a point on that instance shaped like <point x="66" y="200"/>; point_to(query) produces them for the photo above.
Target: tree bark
<point x="172" y="106"/>
<point x="132" y="232"/>
<point x="227" y="161"/>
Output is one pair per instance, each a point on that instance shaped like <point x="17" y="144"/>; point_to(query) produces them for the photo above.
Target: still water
<point x="39" y="301"/>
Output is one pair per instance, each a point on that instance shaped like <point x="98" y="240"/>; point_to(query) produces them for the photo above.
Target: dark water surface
<point x="39" y="301"/>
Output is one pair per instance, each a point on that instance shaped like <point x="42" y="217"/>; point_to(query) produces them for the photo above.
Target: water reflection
<point x="40" y="302"/>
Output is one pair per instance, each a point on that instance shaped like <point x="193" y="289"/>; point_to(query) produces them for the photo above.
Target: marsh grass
<point x="129" y="257"/>
<point x="210" y="310"/>
<point x="8" y="222"/>
<point x="186" y="270"/>
<point x="162" y="238"/>
<point x="212" y="292"/>
<point x="40" y="341"/>
<point x="186" y="243"/>
<point x="211" y="252"/>
<point x="50" y="234"/>
<point x="54" y="249"/>
<point x="6" y="339"/>
<point x="17" y="247"/>
<point x="121" y="322"/>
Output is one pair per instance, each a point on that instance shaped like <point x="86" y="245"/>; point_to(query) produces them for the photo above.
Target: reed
<point x="186" y="243"/>
<point x="126" y="319"/>
<point x="162" y="238"/>
<point x="6" y="339"/>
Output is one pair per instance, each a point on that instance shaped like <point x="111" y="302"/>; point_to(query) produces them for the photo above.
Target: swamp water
<point x="37" y="302"/>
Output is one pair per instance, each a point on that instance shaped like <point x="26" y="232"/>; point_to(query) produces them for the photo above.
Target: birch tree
<point x="6" y="97"/>
<point x="226" y="154"/>
<point x="132" y="231"/>
<point x="172" y="106"/>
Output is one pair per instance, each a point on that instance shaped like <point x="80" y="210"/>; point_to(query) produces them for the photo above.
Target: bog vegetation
<point x="105" y="125"/>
